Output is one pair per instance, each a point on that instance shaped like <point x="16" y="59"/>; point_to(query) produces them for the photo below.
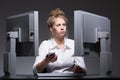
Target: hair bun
<point x="57" y="12"/>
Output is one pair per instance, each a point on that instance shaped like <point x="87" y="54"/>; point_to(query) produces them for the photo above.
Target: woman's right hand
<point x="51" y="58"/>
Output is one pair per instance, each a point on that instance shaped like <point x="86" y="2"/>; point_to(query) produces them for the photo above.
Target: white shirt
<point x="65" y="56"/>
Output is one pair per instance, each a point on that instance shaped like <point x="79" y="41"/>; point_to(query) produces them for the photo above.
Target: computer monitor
<point x="93" y="30"/>
<point x="86" y="28"/>
<point x="26" y="24"/>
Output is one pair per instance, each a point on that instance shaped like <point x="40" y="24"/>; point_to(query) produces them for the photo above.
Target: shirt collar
<point x="54" y="44"/>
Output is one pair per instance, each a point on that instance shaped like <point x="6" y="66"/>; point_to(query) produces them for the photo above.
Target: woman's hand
<point x="51" y="58"/>
<point x="78" y="69"/>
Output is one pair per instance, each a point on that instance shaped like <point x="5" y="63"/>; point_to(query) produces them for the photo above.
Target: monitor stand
<point x="10" y="57"/>
<point x="105" y="55"/>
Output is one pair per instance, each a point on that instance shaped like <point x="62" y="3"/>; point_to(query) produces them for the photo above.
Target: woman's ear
<point x="51" y="29"/>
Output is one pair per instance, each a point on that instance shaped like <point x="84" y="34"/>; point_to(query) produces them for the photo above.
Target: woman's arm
<point x="41" y="66"/>
<point x="78" y="69"/>
<point x="79" y="65"/>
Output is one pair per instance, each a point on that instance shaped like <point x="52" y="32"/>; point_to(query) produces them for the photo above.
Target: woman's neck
<point x="60" y="42"/>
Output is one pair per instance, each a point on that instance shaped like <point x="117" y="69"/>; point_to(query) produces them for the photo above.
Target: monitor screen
<point x="26" y="24"/>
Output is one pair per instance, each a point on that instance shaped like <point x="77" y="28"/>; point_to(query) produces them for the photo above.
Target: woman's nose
<point x="62" y="28"/>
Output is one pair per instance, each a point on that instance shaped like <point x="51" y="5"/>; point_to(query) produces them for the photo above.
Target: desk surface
<point x="57" y="77"/>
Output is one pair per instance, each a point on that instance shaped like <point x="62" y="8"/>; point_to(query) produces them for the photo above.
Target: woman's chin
<point x="61" y="36"/>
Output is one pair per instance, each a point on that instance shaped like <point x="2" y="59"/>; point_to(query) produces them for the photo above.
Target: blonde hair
<point x="55" y="14"/>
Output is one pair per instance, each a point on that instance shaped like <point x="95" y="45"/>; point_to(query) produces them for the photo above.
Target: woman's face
<point x="59" y="28"/>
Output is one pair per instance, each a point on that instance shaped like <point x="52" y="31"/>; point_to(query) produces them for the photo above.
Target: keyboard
<point x="59" y="75"/>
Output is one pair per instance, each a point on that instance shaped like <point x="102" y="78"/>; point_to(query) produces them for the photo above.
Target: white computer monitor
<point x="93" y="29"/>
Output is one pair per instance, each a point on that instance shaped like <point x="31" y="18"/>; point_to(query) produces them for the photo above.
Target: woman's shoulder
<point x="70" y="40"/>
<point x="45" y="41"/>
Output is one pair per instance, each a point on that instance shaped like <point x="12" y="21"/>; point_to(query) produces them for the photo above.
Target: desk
<point x="19" y="77"/>
<point x="57" y="77"/>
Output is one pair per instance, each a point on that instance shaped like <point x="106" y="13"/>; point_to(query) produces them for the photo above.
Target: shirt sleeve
<point x="37" y="60"/>
<point x="43" y="50"/>
<point x="79" y="60"/>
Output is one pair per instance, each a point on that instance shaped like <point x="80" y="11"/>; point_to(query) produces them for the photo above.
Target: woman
<point x="63" y="59"/>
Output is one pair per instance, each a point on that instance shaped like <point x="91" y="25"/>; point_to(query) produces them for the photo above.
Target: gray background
<point x="108" y="8"/>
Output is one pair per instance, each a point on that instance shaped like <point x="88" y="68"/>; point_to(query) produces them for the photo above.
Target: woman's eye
<point x="58" y="25"/>
<point x="64" y="24"/>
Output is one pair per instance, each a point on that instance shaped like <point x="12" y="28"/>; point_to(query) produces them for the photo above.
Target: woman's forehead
<point x="59" y="20"/>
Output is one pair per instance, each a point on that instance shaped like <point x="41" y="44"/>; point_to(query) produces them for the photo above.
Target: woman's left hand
<point x="78" y="69"/>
